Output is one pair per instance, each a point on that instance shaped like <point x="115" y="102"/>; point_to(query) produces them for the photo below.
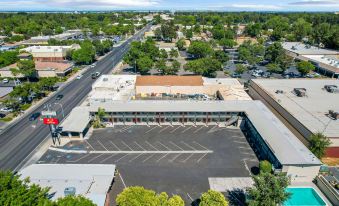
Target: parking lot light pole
<point x="62" y="109"/>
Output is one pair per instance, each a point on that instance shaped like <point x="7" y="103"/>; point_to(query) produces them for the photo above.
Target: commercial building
<point x="308" y="105"/>
<point x="325" y="60"/>
<point x="43" y="40"/>
<point x="192" y="105"/>
<point x="92" y="181"/>
<point x="50" y="53"/>
<point x="43" y="69"/>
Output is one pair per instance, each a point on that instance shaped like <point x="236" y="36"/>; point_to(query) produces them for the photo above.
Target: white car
<point x="5" y="81"/>
<point x="5" y="109"/>
<point x="79" y="76"/>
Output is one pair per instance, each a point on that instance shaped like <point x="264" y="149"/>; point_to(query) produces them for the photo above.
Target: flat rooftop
<point x="169" y="81"/>
<point x="310" y="110"/>
<point x="280" y="139"/>
<point x="90" y="180"/>
<point x="303" y="49"/>
<point x="329" y="62"/>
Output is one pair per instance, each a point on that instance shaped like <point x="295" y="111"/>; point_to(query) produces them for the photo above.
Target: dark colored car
<point x="34" y="116"/>
<point x="2" y="115"/>
<point x="236" y="75"/>
<point x="60" y="96"/>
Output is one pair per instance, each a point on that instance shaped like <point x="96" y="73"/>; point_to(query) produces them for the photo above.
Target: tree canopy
<point x="213" y="198"/>
<point x="136" y="196"/>
<point x="318" y="144"/>
<point x="200" y="49"/>
<point x="268" y="190"/>
<point x="305" y="67"/>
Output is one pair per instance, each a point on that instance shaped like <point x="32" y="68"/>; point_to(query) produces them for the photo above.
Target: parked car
<point x="34" y="116"/>
<point x="2" y="115"/>
<point x="6" y="109"/>
<point x="79" y="76"/>
<point x="5" y="81"/>
<point x="60" y="96"/>
<point x="93" y="75"/>
<point x="236" y="75"/>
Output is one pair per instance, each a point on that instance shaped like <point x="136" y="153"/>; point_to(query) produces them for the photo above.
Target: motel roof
<point x="90" y="180"/>
<point x="77" y="120"/>
<point x="303" y="49"/>
<point x="286" y="147"/>
<point x="169" y="81"/>
<point x="312" y="110"/>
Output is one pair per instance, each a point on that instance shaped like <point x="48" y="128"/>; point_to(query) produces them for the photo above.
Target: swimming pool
<point x="305" y="196"/>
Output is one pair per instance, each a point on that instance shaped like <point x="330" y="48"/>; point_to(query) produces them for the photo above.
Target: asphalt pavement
<point x="19" y="139"/>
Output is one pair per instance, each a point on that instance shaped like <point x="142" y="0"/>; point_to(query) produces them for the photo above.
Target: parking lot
<point x="175" y="159"/>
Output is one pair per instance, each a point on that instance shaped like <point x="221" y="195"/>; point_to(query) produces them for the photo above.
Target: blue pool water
<point x="303" y="197"/>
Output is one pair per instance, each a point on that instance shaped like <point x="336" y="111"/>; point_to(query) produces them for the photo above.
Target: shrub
<point x="265" y="166"/>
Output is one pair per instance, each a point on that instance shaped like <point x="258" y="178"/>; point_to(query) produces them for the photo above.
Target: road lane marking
<point x="131" y="160"/>
<point x="90" y="145"/>
<point x="175" y="157"/>
<point x="102" y="161"/>
<point x="162" y="157"/>
<point x="200" y="145"/>
<point x="152" y="152"/>
<point x="86" y="155"/>
<point x="121" y="158"/>
<point x="188" y="158"/>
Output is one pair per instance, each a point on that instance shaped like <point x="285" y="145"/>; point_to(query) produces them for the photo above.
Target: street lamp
<point x="62" y="109"/>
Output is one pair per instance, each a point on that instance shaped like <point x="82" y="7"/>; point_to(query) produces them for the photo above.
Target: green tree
<point x="274" y="51"/>
<point x="161" y="66"/>
<point x="213" y="198"/>
<point x="227" y="43"/>
<point x="240" y="69"/>
<point x="318" y="144"/>
<point x="163" y="54"/>
<point x="221" y="56"/>
<point x="265" y="166"/>
<point x="144" y="64"/>
<point x="305" y="67"/>
<point x="137" y="196"/>
<point x="181" y="44"/>
<point x="175" y="66"/>
<point x="14" y="191"/>
<point x="27" y="68"/>
<point x="200" y="49"/>
<point x="173" y="53"/>
<point x="301" y="29"/>
<point x="268" y="190"/>
<point x="71" y="200"/>
<point x="86" y="54"/>
<point x="204" y="66"/>
<point x="274" y="68"/>
<point x="188" y="33"/>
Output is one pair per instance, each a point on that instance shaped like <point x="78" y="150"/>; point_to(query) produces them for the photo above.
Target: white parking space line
<point x="153" y="152"/>
<point x="164" y="145"/>
<point x="163" y="129"/>
<point x="102" y="145"/>
<point x="187" y="158"/>
<point x="127" y="145"/>
<point x="114" y="145"/>
<point x="95" y="157"/>
<point x="121" y="158"/>
<point x="176" y="145"/>
<point x="175" y="157"/>
<point x="126" y="128"/>
<point x="151" y="129"/>
<point x="190" y="197"/>
<point x="148" y="158"/>
<point x="162" y="157"/>
<point x="201" y="158"/>
<point x="188" y="145"/>
<point x="200" y="128"/>
<point x="186" y="129"/>
<point x="86" y="155"/>
<point x="175" y="129"/>
<point x="104" y="160"/>
<point x="200" y="145"/>
<point x="122" y="180"/>
<point x="139" y="145"/>
<point x="131" y="160"/>
<point x="151" y="145"/>
<point x="89" y="145"/>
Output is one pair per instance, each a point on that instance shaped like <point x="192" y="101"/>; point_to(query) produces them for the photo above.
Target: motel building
<point x="219" y="103"/>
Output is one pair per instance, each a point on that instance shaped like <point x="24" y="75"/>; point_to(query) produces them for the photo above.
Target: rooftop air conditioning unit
<point x="279" y="92"/>
<point x="105" y="79"/>
<point x="69" y="191"/>
<point x="300" y="92"/>
<point x="332" y="88"/>
<point x="333" y="114"/>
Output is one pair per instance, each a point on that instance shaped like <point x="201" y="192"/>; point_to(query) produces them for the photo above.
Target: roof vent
<point x="279" y="92"/>
<point x="332" y="88"/>
<point x="300" y="92"/>
<point x="69" y="191"/>
<point x="334" y="115"/>
<point x="105" y="79"/>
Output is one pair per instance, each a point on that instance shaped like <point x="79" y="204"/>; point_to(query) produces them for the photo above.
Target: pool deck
<point x="312" y="185"/>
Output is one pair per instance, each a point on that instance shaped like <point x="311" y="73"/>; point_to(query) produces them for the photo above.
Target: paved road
<point x="19" y="139"/>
